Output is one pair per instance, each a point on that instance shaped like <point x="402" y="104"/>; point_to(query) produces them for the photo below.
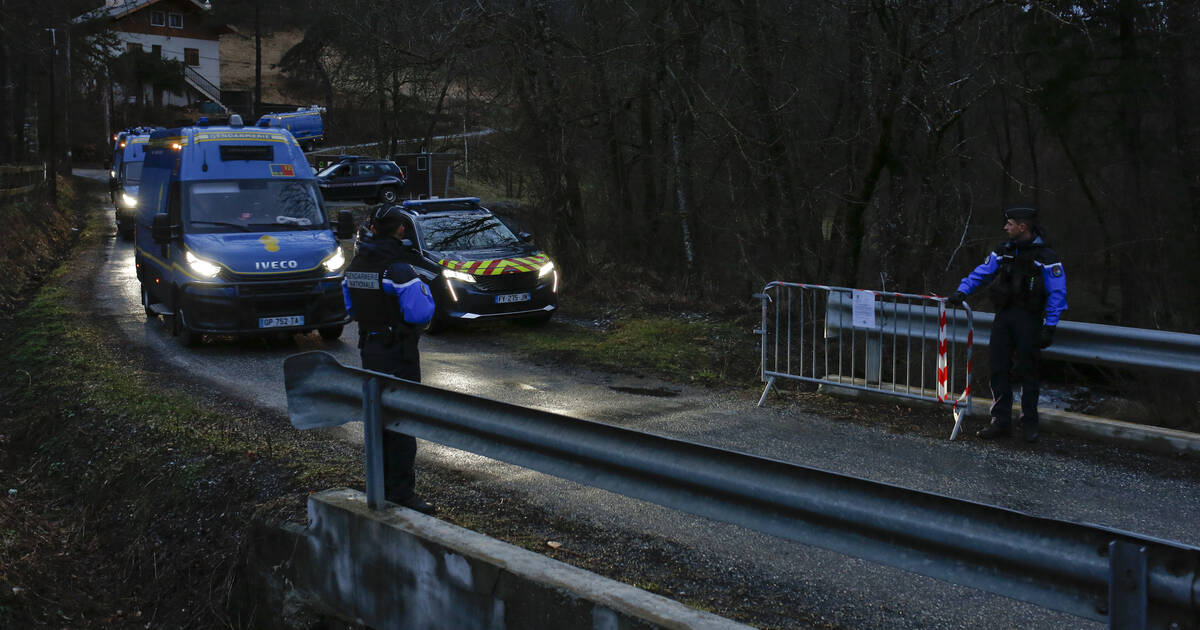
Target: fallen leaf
<point x="553" y="544"/>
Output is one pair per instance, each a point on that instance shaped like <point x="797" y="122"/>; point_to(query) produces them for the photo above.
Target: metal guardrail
<point x="1128" y="580"/>
<point x="1113" y="346"/>
<point x="16" y="180"/>
<point x="900" y="344"/>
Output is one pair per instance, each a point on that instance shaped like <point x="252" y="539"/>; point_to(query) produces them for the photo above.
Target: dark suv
<point x="363" y="179"/>
<point x="477" y="268"/>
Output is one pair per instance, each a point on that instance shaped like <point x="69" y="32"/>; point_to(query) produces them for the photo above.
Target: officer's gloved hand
<point x="957" y="298"/>
<point x="1047" y="337"/>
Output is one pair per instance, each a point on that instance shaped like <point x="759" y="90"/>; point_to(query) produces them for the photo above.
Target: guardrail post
<point x="373" y="441"/>
<point x="1127" y="595"/>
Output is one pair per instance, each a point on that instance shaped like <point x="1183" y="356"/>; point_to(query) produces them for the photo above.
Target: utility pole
<point x="66" y="117"/>
<point x="52" y="170"/>
<point x="257" y="60"/>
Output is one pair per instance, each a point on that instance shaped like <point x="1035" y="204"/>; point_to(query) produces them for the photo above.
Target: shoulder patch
<point x="1056" y="270"/>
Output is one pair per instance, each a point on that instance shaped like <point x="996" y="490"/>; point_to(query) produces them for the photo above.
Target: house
<point x="170" y="29"/>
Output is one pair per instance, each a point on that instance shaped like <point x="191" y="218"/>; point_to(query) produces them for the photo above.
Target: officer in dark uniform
<point x="392" y="306"/>
<point x="1029" y="290"/>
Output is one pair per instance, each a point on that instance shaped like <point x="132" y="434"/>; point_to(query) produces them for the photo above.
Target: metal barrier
<point x="1102" y="344"/>
<point x="1130" y="581"/>
<point x="900" y="344"/>
<point x="16" y="180"/>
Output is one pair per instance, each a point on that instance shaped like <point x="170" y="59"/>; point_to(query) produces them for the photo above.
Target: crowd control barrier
<point x="1128" y="580"/>
<point x="899" y="344"/>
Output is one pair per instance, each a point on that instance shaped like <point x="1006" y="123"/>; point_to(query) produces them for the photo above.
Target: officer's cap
<point x="386" y="219"/>
<point x="1025" y="214"/>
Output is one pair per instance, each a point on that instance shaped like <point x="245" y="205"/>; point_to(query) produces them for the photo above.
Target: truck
<point x="305" y="124"/>
<point x="233" y="238"/>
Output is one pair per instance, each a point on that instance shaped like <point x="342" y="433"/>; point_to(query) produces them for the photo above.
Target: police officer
<point x="392" y="306"/>
<point x="1029" y="290"/>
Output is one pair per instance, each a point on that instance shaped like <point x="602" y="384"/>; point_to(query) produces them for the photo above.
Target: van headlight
<point x="202" y="267"/>
<point x="546" y="269"/>
<point x="458" y="275"/>
<point x="129" y="202"/>
<point x="335" y="260"/>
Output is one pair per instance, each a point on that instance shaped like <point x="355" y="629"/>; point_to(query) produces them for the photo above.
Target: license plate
<point x="275" y="322"/>
<point x="512" y="297"/>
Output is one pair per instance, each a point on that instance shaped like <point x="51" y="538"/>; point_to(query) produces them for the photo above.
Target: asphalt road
<point x="1122" y="493"/>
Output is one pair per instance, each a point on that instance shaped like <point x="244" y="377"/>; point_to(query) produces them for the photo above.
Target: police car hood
<point x="492" y="261"/>
<point x="265" y="252"/>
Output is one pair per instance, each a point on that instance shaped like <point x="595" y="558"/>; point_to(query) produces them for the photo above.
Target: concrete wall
<point x="396" y="568"/>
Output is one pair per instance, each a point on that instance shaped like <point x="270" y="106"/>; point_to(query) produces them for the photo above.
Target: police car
<point x="476" y="266"/>
<point x="359" y="178"/>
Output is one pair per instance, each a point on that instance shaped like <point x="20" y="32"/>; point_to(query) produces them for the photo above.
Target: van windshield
<point x="252" y="205"/>
<point x="131" y="172"/>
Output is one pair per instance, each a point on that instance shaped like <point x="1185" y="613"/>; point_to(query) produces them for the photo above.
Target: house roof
<point x="116" y="9"/>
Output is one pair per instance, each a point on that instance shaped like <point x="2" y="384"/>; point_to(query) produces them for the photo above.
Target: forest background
<point x="688" y="152"/>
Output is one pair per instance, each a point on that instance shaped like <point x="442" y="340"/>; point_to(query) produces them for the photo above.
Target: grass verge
<point x="126" y="497"/>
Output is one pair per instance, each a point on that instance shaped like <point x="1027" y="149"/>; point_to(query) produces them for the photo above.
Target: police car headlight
<point x="202" y="267"/>
<point x="546" y="269"/>
<point x="130" y="202"/>
<point x="458" y="275"/>
<point x="336" y="261"/>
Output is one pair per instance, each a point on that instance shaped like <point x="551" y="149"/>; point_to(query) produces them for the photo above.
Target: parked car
<point x="477" y="268"/>
<point x="363" y="179"/>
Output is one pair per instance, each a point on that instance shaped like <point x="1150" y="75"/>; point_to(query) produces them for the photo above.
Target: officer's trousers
<point x="1014" y="358"/>
<point x="399" y="451"/>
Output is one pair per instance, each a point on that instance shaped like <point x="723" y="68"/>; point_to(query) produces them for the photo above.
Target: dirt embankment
<point x="125" y="492"/>
<point x="37" y="236"/>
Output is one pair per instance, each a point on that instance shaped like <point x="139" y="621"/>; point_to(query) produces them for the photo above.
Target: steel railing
<point x="900" y="344"/>
<point x="1113" y="346"/>
<point x="15" y="180"/>
<point x="1128" y="580"/>
<point x="204" y="86"/>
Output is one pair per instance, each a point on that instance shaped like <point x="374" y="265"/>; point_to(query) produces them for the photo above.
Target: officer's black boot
<point x="995" y="429"/>
<point x="1029" y="429"/>
<point x="415" y="502"/>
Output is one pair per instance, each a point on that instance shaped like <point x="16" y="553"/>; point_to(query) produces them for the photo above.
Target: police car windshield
<point x="131" y="172"/>
<point x="465" y="232"/>
<point x="243" y="205"/>
<point x="329" y="169"/>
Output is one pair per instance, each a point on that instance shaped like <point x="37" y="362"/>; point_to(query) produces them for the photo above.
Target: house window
<point x="158" y="18"/>
<point x="133" y="47"/>
<point x="156" y="50"/>
<point x="176" y="20"/>
<point x="191" y="56"/>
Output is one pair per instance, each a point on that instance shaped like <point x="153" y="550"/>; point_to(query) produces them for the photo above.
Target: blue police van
<point x="305" y="124"/>
<point x="126" y="177"/>
<point x="232" y="235"/>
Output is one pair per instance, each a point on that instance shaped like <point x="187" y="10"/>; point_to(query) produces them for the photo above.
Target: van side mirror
<point x="160" y="230"/>
<point x="345" y="224"/>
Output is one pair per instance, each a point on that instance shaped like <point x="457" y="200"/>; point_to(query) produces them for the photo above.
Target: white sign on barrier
<point x="864" y="309"/>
